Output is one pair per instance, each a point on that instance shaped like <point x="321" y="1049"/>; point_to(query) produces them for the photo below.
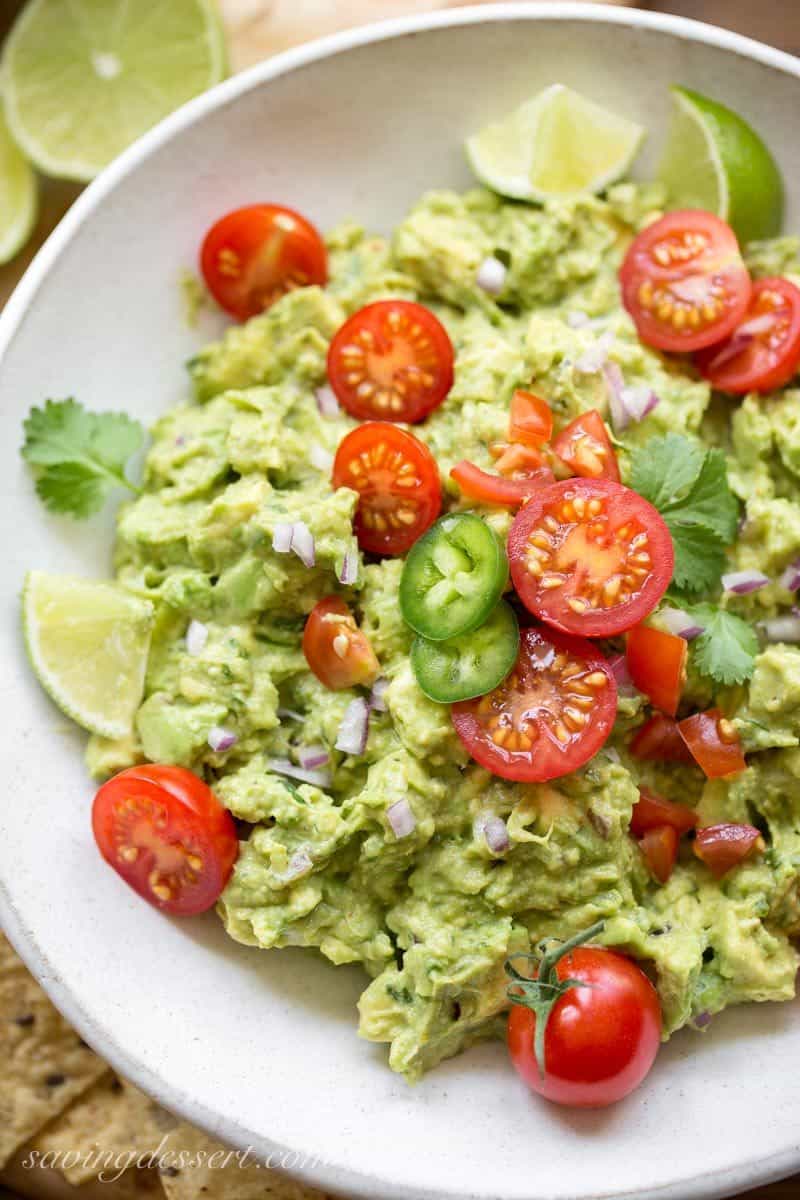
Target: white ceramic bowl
<point x="261" y="1049"/>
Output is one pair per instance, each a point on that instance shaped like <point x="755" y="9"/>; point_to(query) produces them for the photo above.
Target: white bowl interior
<point x="262" y="1048"/>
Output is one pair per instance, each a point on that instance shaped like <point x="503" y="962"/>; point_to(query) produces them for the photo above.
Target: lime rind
<point x="82" y="81"/>
<point x="88" y="644"/>
<point x="19" y="196"/>
<point x="716" y="161"/>
<point x="558" y="144"/>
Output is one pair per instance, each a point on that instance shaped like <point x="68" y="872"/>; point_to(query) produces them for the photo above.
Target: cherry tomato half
<point x="659" y="740"/>
<point x="652" y="812"/>
<point x="336" y="650"/>
<point x="254" y="255"/>
<point x="584" y="445"/>
<point x="723" y="847"/>
<point x="166" y="834"/>
<point x="531" y="420"/>
<point x="656" y="663"/>
<point x="479" y="485"/>
<point x="684" y="281"/>
<point x="393" y="361"/>
<point x="548" y="717"/>
<point x="397" y="480"/>
<point x="590" y="556"/>
<point x="601" y="1039"/>
<point x="660" y="849"/>
<point x="763" y="352"/>
<point x="713" y="743"/>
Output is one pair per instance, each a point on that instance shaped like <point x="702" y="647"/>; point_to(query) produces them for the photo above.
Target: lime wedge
<point x="83" y="79"/>
<point x="19" y="196"/>
<point x="557" y="144"/>
<point x="715" y="161"/>
<point x="88" y="644"/>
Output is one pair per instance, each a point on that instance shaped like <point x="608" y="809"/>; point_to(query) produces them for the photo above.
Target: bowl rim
<point x="340" y="1180"/>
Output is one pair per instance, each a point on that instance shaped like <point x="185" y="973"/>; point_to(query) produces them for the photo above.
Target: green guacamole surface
<point x="433" y="916"/>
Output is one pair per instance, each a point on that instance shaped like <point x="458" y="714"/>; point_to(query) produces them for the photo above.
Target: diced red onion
<point x="377" y="697"/>
<point x="790" y="579"/>
<point x="577" y="319"/>
<point x="353" y="731"/>
<point x="702" y="1020"/>
<point x="680" y="623"/>
<point x="303" y="544"/>
<point x="348" y="572"/>
<point x="291" y="714"/>
<point x="627" y="404"/>
<point x="299" y="864"/>
<point x="619" y="669"/>
<point x="283" y="766"/>
<point x="638" y="401"/>
<point x="744" y="582"/>
<point x="730" y="350"/>
<point x="401" y="819"/>
<point x="612" y="753"/>
<point x="221" y="739"/>
<point x="319" y="457"/>
<point x="282" y="537"/>
<point x="782" y="629"/>
<point x="491" y="276"/>
<point x="196" y="637"/>
<point x="495" y="832"/>
<point x="312" y="756"/>
<point x="594" y="359"/>
<point x="327" y="403"/>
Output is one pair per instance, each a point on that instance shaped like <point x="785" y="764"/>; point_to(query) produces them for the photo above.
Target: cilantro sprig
<point x="80" y="456"/>
<point x="726" y="649"/>
<point x="688" y="484"/>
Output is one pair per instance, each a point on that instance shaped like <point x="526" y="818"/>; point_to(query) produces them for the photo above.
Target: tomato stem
<point x="541" y="993"/>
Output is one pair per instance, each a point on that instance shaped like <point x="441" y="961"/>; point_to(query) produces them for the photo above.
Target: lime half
<point x="715" y="161"/>
<point x="557" y="144"/>
<point x="88" y="644"/>
<point x="19" y="196"/>
<point x="83" y="79"/>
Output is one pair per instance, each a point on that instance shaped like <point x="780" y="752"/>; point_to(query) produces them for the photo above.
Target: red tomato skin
<point x="531" y="420"/>
<point x="426" y="495"/>
<point x="585" y="447"/>
<point x="659" y="740"/>
<point x="480" y="485"/>
<point x="625" y="505"/>
<point x="358" y="666"/>
<point x="601" y="1040"/>
<point x="758" y="368"/>
<point x="197" y="820"/>
<point x="715" y="755"/>
<point x="723" y="261"/>
<point x="723" y="847"/>
<point x="542" y="763"/>
<point x="657" y="665"/>
<point x="660" y="849"/>
<point x="244" y="232"/>
<point x="414" y="407"/>
<point x="654" y="812"/>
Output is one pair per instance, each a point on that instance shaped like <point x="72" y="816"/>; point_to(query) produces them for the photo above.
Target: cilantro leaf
<point x="689" y="486"/>
<point x="726" y="650"/>
<point x="665" y="468"/>
<point x="80" y="455"/>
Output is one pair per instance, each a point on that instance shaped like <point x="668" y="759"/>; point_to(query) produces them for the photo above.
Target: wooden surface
<point x="258" y="28"/>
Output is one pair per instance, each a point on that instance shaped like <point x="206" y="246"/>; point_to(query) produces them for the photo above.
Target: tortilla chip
<point x="111" y="1127"/>
<point x="45" y="1065"/>
<point x="46" y="1184"/>
<point x="214" y="1178"/>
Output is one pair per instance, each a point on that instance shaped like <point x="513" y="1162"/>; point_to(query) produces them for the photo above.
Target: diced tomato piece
<point x="651" y="812"/>
<point x="531" y="419"/>
<point x="584" y="445"/>
<point x="714" y="743"/>
<point x="479" y="485"/>
<point x="336" y="650"/>
<point x="657" y="665"/>
<point x="722" y="847"/>
<point x="516" y="461"/>
<point x="659" y="740"/>
<point x="660" y="849"/>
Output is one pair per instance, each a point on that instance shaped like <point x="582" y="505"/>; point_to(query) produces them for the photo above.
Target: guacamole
<point x="433" y="913"/>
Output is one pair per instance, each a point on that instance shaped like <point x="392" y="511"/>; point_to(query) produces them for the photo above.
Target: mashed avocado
<point x="433" y="915"/>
